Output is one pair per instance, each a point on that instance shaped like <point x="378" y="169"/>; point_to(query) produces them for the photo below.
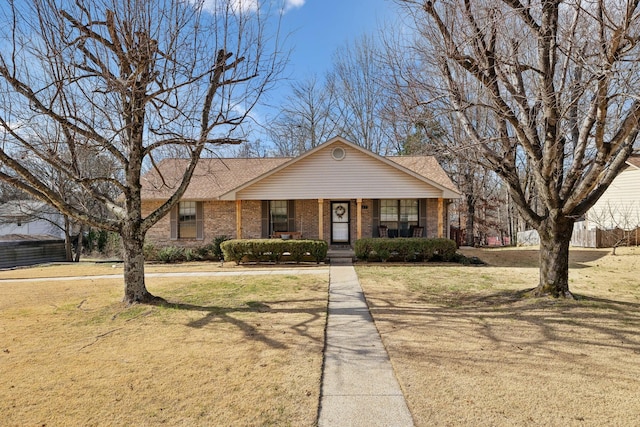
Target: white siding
<point x="358" y="175"/>
<point x="619" y="206"/>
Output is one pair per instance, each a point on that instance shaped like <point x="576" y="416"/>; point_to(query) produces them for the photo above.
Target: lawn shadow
<point x="512" y="257"/>
<point x="225" y="314"/>
<point x="597" y="321"/>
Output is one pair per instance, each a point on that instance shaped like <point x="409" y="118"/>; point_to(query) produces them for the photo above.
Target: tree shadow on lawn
<point x="586" y="321"/>
<point x="516" y="257"/>
<point x="225" y="314"/>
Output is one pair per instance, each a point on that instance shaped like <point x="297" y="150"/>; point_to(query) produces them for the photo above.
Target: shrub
<point x="318" y="250"/>
<point x="214" y="248"/>
<point x="171" y="254"/>
<point x="405" y="249"/>
<point x="273" y="250"/>
<point x="150" y="251"/>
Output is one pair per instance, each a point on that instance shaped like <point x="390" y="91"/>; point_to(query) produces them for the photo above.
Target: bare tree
<point x="356" y="81"/>
<point x="559" y="81"/>
<point x="618" y="222"/>
<point x="306" y="119"/>
<point x="132" y="80"/>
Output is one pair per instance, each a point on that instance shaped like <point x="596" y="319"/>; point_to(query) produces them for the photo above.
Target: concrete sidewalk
<point x="359" y="387"/>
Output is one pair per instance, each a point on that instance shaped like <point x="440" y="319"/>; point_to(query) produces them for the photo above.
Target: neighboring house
<point x="338" y="192"/>
<point x="31" y="218"/>
<point x="30" y="233"/>
<point x="615" y="218"/>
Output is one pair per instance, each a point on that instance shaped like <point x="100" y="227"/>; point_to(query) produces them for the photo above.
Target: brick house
<point x="338" y="192"/>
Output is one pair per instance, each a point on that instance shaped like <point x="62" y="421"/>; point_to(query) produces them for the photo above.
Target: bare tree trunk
<point x="470" y="224"/>
<point x="67" y="239"/>
<point x="555" y="238"/>
<point x="79" y="244"/>
<point x="135" y="290"/>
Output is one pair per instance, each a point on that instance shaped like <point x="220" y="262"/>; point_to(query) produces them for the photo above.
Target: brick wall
<point x="220" y="219"/>
<point x="251" y="219"/>
<point x="306" y="212"/>
<point x="432" y="218"/>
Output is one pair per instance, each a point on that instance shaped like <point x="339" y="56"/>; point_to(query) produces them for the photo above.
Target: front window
<point x="399" y="215"/>
<point x="278" y="216"/>
<point x="187" y="220"/>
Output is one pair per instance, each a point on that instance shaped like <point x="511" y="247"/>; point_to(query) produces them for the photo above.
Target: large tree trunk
<point x="135" y="290"/>
<point x="67" y="239"/>
<point x="470" y="225"/>
<point x="555" y="238"/>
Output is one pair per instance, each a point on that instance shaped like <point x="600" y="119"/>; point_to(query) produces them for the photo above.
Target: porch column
<point x="358" y="219"/>
<point x="238" y="219"/>
<point x="320" y="219"/>
<point x="440" y="218"/>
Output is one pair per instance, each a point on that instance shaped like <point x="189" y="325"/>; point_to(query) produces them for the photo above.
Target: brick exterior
<point x="432" y="218"/>
<point x="251" y="219"/>
<point x="220" y="219"/>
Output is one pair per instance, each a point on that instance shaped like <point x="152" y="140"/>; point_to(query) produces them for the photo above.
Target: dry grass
<point x="469" y="349"/>
<point x="90" y="268"/>
<point x="230" y="351"/>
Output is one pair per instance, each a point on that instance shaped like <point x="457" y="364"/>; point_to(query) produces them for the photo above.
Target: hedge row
<point x="173" y="254"/>
<point x="405" y="249"/>
<point x="273" y="250"/>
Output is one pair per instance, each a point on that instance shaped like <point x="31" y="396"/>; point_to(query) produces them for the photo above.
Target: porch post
<point x="320" y="219"/>
<point x="238" y="219"/>
<point x="440" y="217"/>
<point x="358" y="219"/>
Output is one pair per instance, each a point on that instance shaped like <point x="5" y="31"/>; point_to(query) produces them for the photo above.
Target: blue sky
<point x="315" y="29"/>
<point x="318" y="27"/>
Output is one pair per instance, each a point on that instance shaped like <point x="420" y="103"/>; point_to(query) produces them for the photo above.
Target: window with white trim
<point x="278" y="216"/>
<point x="187" y="220"/>
<point x="399" y="215"/>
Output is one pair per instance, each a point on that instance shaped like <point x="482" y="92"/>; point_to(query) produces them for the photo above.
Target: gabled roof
<point x="216" y="179"/>
<point x="634" y="161"/>
<point x="211" y="179"/>
<point x="24" y="208"/>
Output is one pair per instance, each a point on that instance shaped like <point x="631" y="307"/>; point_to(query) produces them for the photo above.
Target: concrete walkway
<point x="359" y="387"/>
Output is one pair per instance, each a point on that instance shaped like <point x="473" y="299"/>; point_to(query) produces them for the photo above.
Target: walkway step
<point x="359" y="387"/>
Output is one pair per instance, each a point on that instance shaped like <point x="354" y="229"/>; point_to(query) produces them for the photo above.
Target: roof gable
<point x="314" y="174"/>
<point x="360" y="174"/>
<point x="211" y="178"/>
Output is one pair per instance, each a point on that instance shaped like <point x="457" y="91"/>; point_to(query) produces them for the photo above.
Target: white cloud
<point x="236" y="6"/>
<point x="292" y="4"/>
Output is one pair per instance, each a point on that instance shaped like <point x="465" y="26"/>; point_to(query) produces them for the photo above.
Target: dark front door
<point x="340" y="222"/>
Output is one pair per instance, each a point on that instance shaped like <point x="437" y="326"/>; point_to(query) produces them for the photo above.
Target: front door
<point x="340" y="222"/>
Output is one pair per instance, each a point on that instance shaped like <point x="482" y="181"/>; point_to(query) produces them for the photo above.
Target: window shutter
<point x="376" y="217"/>
<point x="265" y="219"/>
<point x="291" y="215"/>
<point x="422" y="212"/>
<point x="173" y="220"/>
<point x="199" y="221"/>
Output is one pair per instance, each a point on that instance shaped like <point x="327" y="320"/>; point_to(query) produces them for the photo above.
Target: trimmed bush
<point x="214" y="248"/>
<point x="171" y="254"/>
<point x="273" y="250"/>
<point x="405" y="249"/>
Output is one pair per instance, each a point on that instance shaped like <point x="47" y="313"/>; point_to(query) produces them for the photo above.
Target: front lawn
<point x="470" y="349"/>
<point x="245" y="350"/>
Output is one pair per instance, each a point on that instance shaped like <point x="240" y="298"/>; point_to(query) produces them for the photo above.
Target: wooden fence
<point x="21" y="253"/>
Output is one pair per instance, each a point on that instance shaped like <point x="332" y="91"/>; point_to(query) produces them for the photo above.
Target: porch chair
<point x="383" y="231"/>
<point x="417" y="231"/>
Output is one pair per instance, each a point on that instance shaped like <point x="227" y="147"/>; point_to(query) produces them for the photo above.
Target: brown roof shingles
<point x="426" y="166"/>
<point x="634" y="160"/>
<point x="215" y="177"/>
<point x="211" y="179"/>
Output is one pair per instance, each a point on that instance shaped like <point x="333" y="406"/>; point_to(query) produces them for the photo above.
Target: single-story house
<point x="616" y="215"/>
<point x="338" y="192"/>
<point x="30" y="218"/>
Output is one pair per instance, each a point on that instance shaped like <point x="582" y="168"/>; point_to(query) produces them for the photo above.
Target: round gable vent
<point x="338" y="153"/>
